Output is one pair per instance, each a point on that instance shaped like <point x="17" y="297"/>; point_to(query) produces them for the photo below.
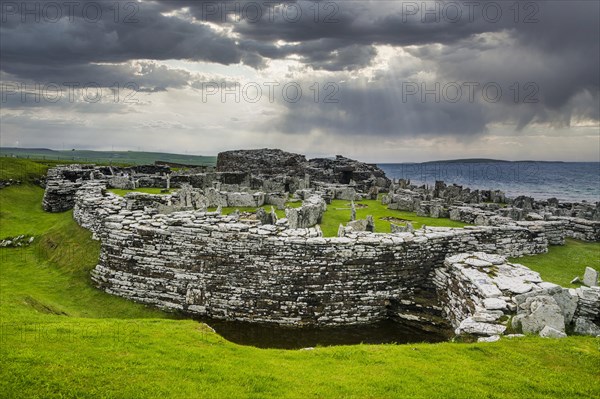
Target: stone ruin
<point x="246" y="178"/>
<point x="493" y="208"/>
<point x="171" y="252"/>
<point x="481" y="292"/>
<point x="336" y="172"/>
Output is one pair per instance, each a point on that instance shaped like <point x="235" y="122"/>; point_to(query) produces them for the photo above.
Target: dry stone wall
<point x="556" y="227"/>
<point x="483" y="294"/>
<point x="225" y="267"/>
<point x="168" y="251"/>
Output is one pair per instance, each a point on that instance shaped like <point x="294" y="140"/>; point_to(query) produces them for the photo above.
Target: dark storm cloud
<point x="547" y="71"/>
<point x="378" y="108"/>
<point x="148" y="35"/>
<point x="553" y="44"/>
<point x="90" y="84"/>
<point x="70" y="49"/>
<point x="145" y="74"/>
<point x="339" y="37"/>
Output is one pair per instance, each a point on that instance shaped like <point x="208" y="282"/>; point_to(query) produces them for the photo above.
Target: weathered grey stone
<point x="541" y="311"/>
<point x="514" y="335"/>
<point x="475" y="262"/>
<point x="584" y="326"/>
<point x="408" y="228"/>
<point x="513" y="284"/>
<point x="590" y="278"/>
<point x="357" y="225"/>
<point x="470" y="326"/>
<point x="493" y="338"/>
<point x="575" y="280"/>
<point x="549" y="332"/>
<point x="494" y="303"/>
<point x="309" y="214"/>
<point x="264" y="217"/>
<point x="567" y="303"/>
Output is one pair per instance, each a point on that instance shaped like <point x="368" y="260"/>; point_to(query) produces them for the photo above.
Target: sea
<point x="566" y="181"/>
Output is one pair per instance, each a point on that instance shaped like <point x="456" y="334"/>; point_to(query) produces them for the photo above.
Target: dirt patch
<point x="248" y="216"/>
<point x="41" y="307"/>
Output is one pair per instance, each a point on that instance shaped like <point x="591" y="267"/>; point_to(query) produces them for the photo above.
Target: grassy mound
<point x="21" y="169"/>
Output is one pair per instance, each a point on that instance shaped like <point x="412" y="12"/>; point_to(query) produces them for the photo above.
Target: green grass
<point x="562" y="263"/>
<point x="338" y="212"/>
<point x="62" y="338"/>
<point x="27" y="170"/>
<point x="53" y="272"/>
<point x="108" y="157"/>
<point x="279" y="212"/>
<point x="21" y="212"/>
<point x="21" y="169"/>
<point x="180" y="359"/>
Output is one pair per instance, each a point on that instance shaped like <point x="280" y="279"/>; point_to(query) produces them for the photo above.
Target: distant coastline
<point x="567" y="181"/>
<point x="151" y="156"/>
<point x="485" y="160"/>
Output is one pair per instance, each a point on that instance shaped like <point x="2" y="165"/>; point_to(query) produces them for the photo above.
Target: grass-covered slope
<point x="52" y="275"/>
<point x="61" y="338"/>
<point x="562" y="263"/>
<point x="21" y="169"/>
<point x="113" y="157"/>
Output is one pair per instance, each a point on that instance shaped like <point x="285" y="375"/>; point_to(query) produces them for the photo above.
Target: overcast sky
<point x="381" y="81"/>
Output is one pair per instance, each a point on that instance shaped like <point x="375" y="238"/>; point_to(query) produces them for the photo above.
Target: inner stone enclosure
<point x="170" y="251"/>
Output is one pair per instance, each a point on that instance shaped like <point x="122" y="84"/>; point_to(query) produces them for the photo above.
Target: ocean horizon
<point x="566" y="181"/>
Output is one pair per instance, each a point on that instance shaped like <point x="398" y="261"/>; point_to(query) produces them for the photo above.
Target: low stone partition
<point x="226" y="189"/>
<point x="225" y="199"/>
<point x="469" y="214"/>
<point x="434" y="208"/>
<point x="556" y="228"/>
<point x="480" y="293"/>
<point x="402" y="200"/>
<point x="555" y="231"/>
<point x="582" y="229"/>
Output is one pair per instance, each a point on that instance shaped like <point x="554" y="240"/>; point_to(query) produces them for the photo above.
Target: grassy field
<point x="61" y="338"/>
<point x="562" y="263"/>
<point x="338" y="212"/>
<point x="106" y="157"/>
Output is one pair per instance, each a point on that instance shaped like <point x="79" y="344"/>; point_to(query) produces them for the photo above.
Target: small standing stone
<point x="590" y="278"/>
